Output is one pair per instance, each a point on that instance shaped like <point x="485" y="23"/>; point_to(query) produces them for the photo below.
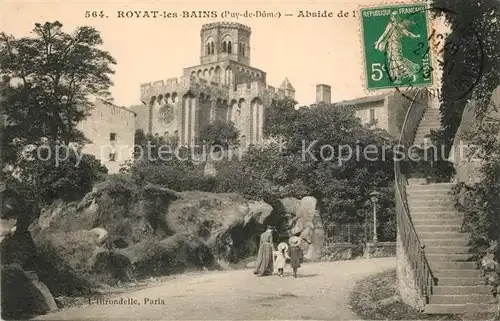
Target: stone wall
<point x="363" y="112"/>
<point x="111" y="130"/>
<point x="406" y="278"/>
<point x="380" y="249"/>
<point x="397" y="107"/>
<point x="337" y="252"/>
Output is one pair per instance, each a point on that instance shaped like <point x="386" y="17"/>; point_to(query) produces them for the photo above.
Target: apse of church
<point x="223" y="86"/>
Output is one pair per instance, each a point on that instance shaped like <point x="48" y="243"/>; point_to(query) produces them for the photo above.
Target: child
<point x="296" y="252"/>
<point x="281" y="256"/>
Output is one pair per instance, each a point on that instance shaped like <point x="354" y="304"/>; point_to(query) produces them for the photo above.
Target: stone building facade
<point x="224" y="86"/>
<point x="368" y="109"/>
<point x="111" y="131"/>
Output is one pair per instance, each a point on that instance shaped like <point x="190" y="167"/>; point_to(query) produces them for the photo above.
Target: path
<point x="321" y="292"/>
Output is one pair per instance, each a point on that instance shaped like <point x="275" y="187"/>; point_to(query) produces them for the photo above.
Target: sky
<point x="308" y="51"/>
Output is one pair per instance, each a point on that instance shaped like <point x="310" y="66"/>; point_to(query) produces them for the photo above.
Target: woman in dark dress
<point x="296" y="253"/>
<point x="265" y="262"/>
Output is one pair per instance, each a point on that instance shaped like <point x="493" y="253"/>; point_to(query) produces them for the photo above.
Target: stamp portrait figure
<point x="390" y="42"/>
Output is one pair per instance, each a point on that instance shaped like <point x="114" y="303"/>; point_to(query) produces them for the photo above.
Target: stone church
<point x="223" y="86"/>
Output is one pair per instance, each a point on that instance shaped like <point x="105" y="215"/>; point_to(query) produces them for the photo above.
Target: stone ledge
<point x="337" y="251"/>
<point x="380" y="249"/>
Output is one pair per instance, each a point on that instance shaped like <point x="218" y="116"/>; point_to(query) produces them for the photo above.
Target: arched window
<point x="242" y="48"/>
<point x="209" y="46"/>
<point x="226" y="44"/>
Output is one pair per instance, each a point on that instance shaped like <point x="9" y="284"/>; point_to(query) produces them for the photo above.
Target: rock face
<point x="466" y="165"/>
<point x="23" y="294"/>
<point x="227" y="223"/>
<point x="467" y="174"/>
<point x="304" y="220"/>
<point x="156" y="232"/>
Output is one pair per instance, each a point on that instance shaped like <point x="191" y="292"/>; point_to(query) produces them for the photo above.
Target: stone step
<point x="457" y="273"/>
<point x="459" y="281"/>
<point x="461" y="299"/>
<point x="431" y="202"/>
<point x="461" y="290"/>
<point x="438" y="266"/>
<point x="424" y="124"/>
<point x="431" y="257"/>
<point x="430" y="208"/>
<point x="437" y="228"/>
<point x="441" y="242"/>
<point x="417" y="220"/>
<point x="416" y="181"/>
<point x="431" y="196"/>
<point x="443" y="236"/>
<point x="458" y="308"/>
<point x="441" y="212"/>
<point x="437" y="217"/>
<point x="426" y="189"/>
<point x="427" y="125"/>
<point x="431" y="187"/>
<point x="425" y="132"/>
<point x="447" y="250"/>
<point x="430" y="118"/>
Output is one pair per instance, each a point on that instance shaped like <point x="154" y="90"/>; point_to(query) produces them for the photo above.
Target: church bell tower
<point x="225" y="41"/>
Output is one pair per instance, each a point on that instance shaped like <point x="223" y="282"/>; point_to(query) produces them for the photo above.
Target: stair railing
<point x="413" y="247"/>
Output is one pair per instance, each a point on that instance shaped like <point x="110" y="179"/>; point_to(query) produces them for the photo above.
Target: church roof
<point x="286" y="85"/>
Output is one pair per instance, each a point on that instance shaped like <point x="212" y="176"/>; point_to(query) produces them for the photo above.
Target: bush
<point x="155" y="257"/>
<point x="53" y="270"/>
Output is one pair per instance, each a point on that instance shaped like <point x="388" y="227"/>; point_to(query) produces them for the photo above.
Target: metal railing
<point x="414" y="249"/>
<point x="354" y="233"/>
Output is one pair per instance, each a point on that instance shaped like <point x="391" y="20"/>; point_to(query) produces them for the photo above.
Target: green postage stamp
<point x="396" y="46"/>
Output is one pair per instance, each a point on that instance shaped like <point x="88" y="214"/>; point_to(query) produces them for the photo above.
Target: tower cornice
<point x="225" y="24"/>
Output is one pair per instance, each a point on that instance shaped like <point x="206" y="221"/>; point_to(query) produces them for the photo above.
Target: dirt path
<point x="321" y="292"/>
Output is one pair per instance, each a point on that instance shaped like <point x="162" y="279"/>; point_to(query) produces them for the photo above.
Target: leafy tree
<point x="52" y="75"/>
<point x="469" y="20"/>
<point x="279" y="117"/>
<point x="220" y="133"/>
<point x="314" y="160"/>
<point x="44" y="177"/>
<point x="47" y="83"/>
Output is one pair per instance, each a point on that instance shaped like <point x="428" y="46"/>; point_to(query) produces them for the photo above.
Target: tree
<point x="314" y="160"/>
<point x="279" y="117"/>
<point x="220" y="133"/>
<point x="40" y="180"/>
<point x="51" y="77"/>
<point x="476" y="20"/>
<point x="46" y="89"/>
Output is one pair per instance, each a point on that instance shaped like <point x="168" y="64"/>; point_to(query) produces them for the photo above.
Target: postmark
<point x="454" y="52"/>
<point x="458" y="57"/>
<point x="391" y="34"/>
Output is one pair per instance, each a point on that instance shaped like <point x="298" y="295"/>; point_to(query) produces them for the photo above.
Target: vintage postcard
<point x="249" y="160"/>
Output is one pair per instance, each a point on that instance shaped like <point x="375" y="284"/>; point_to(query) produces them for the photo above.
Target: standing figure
<point x="281" y="256"/>
<point x="296" y="252"/>
<point x="264" y="264"/>
<point x="390" y="42"/>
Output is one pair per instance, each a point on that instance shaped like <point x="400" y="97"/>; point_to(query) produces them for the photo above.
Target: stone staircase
<point x="438" y="225"/>
<point x="430" y="121"/>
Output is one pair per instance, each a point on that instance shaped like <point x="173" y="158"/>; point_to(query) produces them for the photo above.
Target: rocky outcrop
<point x="23" y="295"/>
<point x="304" y="220"/>
<point x="467" y="174"/>
<point x="226" y="223"/>
<point x="466" y="164"/>
<point x="158" y="231"/>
